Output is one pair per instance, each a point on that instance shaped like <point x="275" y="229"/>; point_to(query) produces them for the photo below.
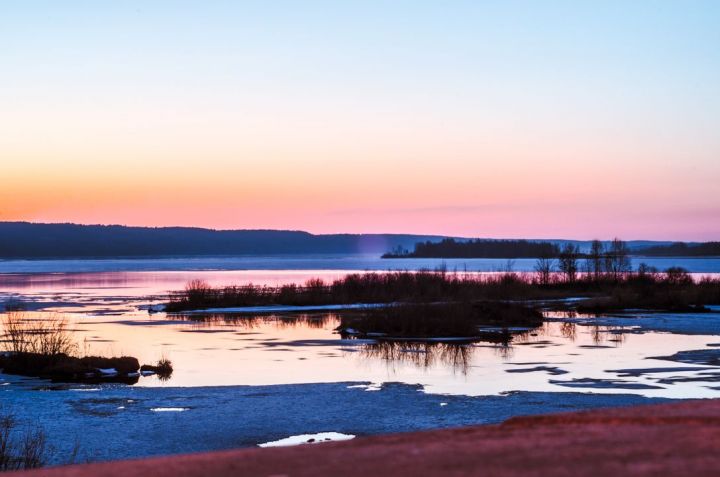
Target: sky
<point x="537" y="119"/>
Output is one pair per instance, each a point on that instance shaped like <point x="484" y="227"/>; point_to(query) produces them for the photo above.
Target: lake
<point x="270" y="377"/>
<point x="354" y="262"/>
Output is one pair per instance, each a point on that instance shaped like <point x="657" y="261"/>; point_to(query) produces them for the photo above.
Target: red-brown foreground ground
<point x="661" y="440"/>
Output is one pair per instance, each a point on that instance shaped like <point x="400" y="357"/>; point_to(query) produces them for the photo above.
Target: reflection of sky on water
<point x="281" y="350"/>
<point x="255" y="265"/>
<point x="227" y="350"/>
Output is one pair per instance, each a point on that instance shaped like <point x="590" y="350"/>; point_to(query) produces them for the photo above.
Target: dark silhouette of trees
<point x="647" y="271"/>
<point x="673" y="290"/>
<point x="30" y="240"/>
<point x="594" y="260"/>
<point x="451" y="248"/>
<point x="617" y="259"/>
<point x="678" y="276"/>
<point x="18" y="450"/>
<point x="544" y="267"/>
<point x="681" y="249"/>
<point x="612" y="261"/>
<point x="568" y="262"/>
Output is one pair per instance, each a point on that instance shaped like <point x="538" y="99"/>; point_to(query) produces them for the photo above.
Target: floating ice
<point x="308" y="439"/>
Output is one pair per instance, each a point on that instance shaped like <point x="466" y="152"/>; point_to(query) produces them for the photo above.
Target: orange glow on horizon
<point x="515" y="125"/>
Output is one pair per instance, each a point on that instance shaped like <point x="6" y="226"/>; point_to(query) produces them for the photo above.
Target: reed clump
<point x="674" y="289"/>
<point x="42" y="345"/>
<point x="441" y="320"/>
<point x="163" y="368"/>
<point x="20" y="450"/>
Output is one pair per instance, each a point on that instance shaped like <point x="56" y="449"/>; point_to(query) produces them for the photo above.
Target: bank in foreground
<point x="665" y="439"/>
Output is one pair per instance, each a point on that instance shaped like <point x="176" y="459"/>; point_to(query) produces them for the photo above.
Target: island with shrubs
<point x="43" y="346"/>
<point x="437" y="304"/>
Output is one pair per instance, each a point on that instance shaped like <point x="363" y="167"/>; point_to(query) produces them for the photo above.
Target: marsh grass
<point x="42" y="345"/>
<point x="20" y="450"/>
<point x="163" y="368"/>
<point x="38" y="334"/>
<point x="443" y="320"/>
<point x="672" y="290"/>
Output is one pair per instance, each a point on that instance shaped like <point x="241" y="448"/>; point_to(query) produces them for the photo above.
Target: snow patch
<point x="308" y="439"/>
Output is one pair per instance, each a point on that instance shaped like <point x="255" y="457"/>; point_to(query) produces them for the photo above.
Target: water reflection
<point x="422" y="355"/>
<point x="459" y="356"/>
<point x="601" y="334"/>
<point x="283" y="348"/>
<point x="568" y="331"/>
<point x="247" y="321"/>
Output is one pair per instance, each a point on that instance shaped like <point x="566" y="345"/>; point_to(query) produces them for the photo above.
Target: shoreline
<point x="664" y="439"/>
<point x="215" y="418"/>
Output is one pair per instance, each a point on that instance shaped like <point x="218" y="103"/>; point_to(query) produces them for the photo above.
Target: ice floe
<point x="308" y="439"/>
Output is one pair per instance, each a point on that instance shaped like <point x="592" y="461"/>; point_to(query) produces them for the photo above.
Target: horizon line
<point x="438" y="235"/>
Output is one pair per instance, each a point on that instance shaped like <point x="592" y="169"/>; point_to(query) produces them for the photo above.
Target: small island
<point x="43" y="347"/>
<point x="477" y="248"/>
<point x="510" y="249"/>
<point x="437" y="304"/>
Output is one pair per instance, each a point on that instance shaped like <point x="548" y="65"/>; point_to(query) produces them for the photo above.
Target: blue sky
<point x="550" y="109"/>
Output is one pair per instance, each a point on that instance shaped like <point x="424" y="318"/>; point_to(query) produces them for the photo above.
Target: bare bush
<point x="198" y="291"/>
<point x="617" y="259"/>
<point x="568" y="262"/>
<point x="163" y="369"/>
<point x="544" y="267"/>
<point x="594" y="259"/>
<point x="678" y="276"/>
<point x="28" y="451"/>
<point x="42" y="334"/>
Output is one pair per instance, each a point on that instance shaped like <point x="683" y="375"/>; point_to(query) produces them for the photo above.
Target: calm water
<point x="313" y="262"/>
<point x="105" y="308"/>
<point x="245" y="381"/>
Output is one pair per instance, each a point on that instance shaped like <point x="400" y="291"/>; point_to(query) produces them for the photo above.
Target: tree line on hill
<point x="483" y="248"/>
<point x="601" y="261"/>
<point x="682" y="249"/>
<point x="451" y="248"/>
<point x="32" y="240"/>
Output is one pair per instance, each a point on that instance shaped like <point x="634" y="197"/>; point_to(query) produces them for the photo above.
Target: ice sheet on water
<point x="308" y="439"/>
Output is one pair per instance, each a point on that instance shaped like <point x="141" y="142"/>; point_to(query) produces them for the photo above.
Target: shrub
<point x="20" y="453"/>
<point x="41" y="345"/>
<point x="678" y="276"/>
<point x="642" y="289"/>
<point x="163" y="369"/>
<point x="38" y="334"/>
<point x="429" y="320"/>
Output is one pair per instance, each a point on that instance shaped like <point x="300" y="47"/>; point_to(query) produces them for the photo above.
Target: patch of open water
<point x="585" y="353"/>
<point x="242" y="381"/>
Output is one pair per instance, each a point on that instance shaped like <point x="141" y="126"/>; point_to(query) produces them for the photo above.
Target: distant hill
<point x="682" y="249"/>
<point x="31" y="240"/>
<point x="451" y="248"/>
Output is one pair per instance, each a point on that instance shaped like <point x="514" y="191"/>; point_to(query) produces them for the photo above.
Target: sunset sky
<point x="536" y="119"/>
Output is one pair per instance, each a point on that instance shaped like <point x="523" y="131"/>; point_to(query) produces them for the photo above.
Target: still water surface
<point x="563" y="355"/>
<point x="316" y="262"/>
